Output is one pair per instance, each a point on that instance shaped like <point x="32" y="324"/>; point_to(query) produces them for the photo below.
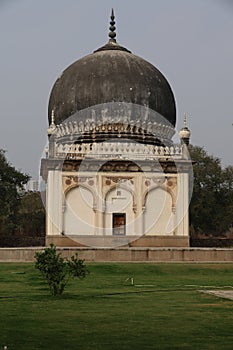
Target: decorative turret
<point x="185" y="132"/>
<point x="52" y="126"/>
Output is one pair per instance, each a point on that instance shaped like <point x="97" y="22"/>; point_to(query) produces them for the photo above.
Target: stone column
<point x="100" y="207"/>
<point x="139" y="220"/>
<point x="54" y="203"/>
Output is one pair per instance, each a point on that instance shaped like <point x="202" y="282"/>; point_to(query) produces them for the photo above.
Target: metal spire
<point x="185" y="120"/>
<point x="112" y="28"/>
<point x="112" y="43"/>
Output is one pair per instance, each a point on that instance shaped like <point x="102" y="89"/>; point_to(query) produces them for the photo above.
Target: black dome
<point x="111" y="74"/>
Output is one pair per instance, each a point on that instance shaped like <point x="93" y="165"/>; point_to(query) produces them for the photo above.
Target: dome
<point x="111" y="74"/>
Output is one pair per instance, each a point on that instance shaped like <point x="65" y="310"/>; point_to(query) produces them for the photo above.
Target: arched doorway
<point x="119" y="215"/>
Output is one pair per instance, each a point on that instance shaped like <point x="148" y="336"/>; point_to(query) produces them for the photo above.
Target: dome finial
<point x="112" y="43"/>
<point x="112" y="28"/>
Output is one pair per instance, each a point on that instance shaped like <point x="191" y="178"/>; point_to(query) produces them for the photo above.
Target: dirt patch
<point x="226" y="294"/>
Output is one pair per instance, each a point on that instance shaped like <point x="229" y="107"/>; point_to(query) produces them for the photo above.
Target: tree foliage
<point x="31" y="215"/>
<point x="211" y="207"/>
<point x="12" y="184"/>
<point x="57" y="270"/>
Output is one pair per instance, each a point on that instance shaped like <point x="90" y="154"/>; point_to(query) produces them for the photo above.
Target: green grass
<point x="163" y="310"/>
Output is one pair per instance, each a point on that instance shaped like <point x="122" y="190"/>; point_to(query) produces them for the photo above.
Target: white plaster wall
<point x="79" y="217"/>
<point x="158" y="213"/>
<point x="122" y="203"/>
<point x="79" y="214"/>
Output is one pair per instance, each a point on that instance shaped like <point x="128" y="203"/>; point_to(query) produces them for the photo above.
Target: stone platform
<point x="119" y="241"/>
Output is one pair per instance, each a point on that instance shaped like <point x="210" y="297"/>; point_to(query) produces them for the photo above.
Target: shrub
<point x="58" y="270"/>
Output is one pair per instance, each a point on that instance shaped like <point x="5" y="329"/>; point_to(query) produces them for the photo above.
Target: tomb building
<point x="114" y="176"/>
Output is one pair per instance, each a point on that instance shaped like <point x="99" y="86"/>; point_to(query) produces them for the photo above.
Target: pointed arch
<point x="79" y="215"/>
<point x="158" y="210"/>
<point x="68" y="189"/>
<point x="126" y="188"/>
<point x="162" y="187"/>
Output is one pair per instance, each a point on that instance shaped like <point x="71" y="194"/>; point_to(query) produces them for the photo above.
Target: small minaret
<point x="185" y="132"/>
<point x="52" y="126"/>
<point x="51" y="136"/>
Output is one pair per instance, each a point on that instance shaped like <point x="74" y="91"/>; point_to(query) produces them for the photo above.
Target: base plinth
<point x="112" y="242"/>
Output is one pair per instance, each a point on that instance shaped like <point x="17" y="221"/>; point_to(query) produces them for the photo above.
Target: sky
<point x="189" y="41"/>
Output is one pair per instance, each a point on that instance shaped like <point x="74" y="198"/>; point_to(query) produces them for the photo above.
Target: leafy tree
<point x="227" y="189"/>
<point x="57" y="270"/>
<point x="211" y="207"/>
<point x="31" y="215"/>
<point x="12" y="184"/>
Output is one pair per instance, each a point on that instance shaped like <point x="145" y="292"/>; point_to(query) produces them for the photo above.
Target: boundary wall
<point x="125" y="254"/>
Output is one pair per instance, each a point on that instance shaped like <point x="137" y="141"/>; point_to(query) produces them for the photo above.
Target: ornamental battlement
<point x="111" y="126"/>
<point x="116" y="150"/>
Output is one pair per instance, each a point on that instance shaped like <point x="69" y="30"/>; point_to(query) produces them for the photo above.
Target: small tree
<point x="58" y="270"/>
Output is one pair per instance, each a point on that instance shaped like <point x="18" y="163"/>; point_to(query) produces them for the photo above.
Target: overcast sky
<point x="189" y="41"/>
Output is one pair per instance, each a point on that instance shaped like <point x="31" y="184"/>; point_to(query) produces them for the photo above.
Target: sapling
<point x="58" y="270"/>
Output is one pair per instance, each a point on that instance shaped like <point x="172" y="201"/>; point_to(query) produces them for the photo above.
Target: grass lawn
<point x="162" y="310"/>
